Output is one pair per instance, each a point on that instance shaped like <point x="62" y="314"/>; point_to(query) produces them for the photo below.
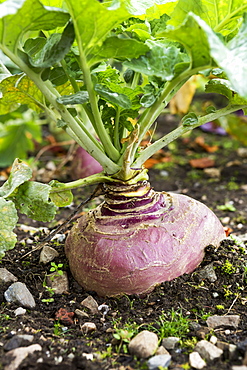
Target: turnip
<point x="109" y="74"/>
<point x="84" y="165"/>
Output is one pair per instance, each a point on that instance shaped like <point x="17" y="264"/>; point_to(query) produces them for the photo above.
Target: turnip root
<point x="139" y="238"/>
<point x="84" y="165"/>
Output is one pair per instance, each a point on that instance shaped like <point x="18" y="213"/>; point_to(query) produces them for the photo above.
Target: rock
<point x="196" y="361"/>
<point x="212" y="172"/>
<point x="18" y="293"/>
<point x="15" y="357"/>
<point x="230" y="350"/>
<point x="230" y="321"/>
<point x="88" y="327"/>
<point x="208" y="273"/>
<point x="20" y="311"/>
<point x="59" y="283"/>
<point x="241" y="367"/>
<point x="208" y="350"/>
<point x="47" y="254"/>
<point x="170" y="342"/>
<point x="91" y="304"/>
<point x="18" y="341"/>
<point x="242" y="152"/>
<point x="213" y="339"/>
<point x="144" y="344"/>
<point x="81" y="313"/>
<point x="6" y="276"/>
<point x="202" y="332"/>
<point x="162" y="351"/>
<point x="159" y="361"/>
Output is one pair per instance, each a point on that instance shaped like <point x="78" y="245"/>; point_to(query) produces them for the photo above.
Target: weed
<point x="56" y="268"/>
<point x="227" y="207"/>
<point x="172" y="323"/>
<point x="220" y="307"/>
<point x="228" y="267"/>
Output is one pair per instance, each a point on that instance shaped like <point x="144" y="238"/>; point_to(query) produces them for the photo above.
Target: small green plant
<point x="227" y="207"/>
<point x="56" y="268"/>
<point x="228" y="267"/>
<point x="220" y="307"/>
<point x="124" y="334"/>
<point x="172" y="323"/>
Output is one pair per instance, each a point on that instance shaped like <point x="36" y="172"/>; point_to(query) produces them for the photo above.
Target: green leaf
<point x="231" y="57"/>
<point x="60" y="198"/>
<point x="19" y="89"/>
<point x="93" y="20"/>
<point x="18" y="17"/>
<point x="20" y="173"/>
<point x="8" y="221"/>
<point x="221" y="15"/>
<point x="189" y="119"/>
<point x="80" y="97"/>
<point x="17" y="138"/>
<point x="194" y="39"/>
<point x="55" y="49"/>
<point x="113" y="97"/>
<point x="224" y="87"/>
<point x="119" y="48"/>
<point x="32" y="199"/>
<point x="159" y="62"/>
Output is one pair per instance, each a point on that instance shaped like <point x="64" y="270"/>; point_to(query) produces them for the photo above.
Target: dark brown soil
<point x="191" y="296"/>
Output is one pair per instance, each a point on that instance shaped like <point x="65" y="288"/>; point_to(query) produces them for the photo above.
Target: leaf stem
<point x="179" y="131"/>
<point x="98" y="124"/>
<point x="116" y="130"/>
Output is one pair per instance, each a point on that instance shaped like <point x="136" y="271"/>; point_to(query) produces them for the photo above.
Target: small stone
<point x="59" y="283"/>
<point x="144" y="344"/>
<point x="14" y="358"/>
<point x="81" y="313"/>
<point x="196" y="361"/>
<point x="230" y="350"/>
<point x="91" y="304"/>
<point x="241" y="367"/>
<point x="48" y="254"/>
<point x="230" y="321"/>
<point x="202" y="332"/>
<point x="88" y="327"/>
<point x="242" y="152"/>
<point x="208" y="273"/>
<point x="170" y="342"/>
<point x="162" y="351"/>
<point x="18" y="293"/>
<point x="208" y="350"/>
<point x="213" y="339"/>
<point x="159" y="361"/>
<point x="215" y="294"/>
<point x="212" y="172"/>
<point x="6" y="276"/>
<point x="20" y="311"/>
<point x="18" y="341"/>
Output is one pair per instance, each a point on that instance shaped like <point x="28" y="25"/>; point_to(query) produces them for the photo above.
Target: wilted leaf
<point x="202" y="162"/>
<point x="180" y="103"/>
<point x="60" y="198"/>
<point x="8" y="220"/>
<point x="32" y="199"/>
<point x="20" y="173"/>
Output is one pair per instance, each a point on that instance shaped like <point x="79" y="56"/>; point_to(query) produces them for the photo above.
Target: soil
<point x="177" y="308"/>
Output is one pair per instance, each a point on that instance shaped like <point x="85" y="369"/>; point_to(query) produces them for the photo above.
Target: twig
<point x="97" y="191"/>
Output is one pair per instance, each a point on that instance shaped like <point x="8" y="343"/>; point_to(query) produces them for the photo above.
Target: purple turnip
<point x="139" y="238"/>
<point x="84" y="165"/>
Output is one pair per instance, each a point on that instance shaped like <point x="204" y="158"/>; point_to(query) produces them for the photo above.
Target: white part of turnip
<point x="133" y="251"/>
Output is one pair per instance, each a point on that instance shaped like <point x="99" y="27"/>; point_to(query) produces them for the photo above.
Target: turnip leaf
<point x="119" y="48"/>
<point x="113" y="97"/>
<point x="55" y="49"/>
<point x="28" y="15"/>
<point x="32" y="199"/>
<point x="160" y="61"/>
<point x="223" y="87"/>
<point x="19" y="89"/>
<point x="80" y="97"/>
<point x="19" y="174"/>
<point x="8" y="220"/>
<point x="62" y="198"/>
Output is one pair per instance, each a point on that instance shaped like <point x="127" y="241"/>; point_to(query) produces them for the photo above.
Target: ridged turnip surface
<point x="129" y="244"/>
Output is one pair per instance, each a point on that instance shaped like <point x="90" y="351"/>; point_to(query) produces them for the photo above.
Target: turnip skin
<point x="132" y="250"/>
<point x="84" y="165"/>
